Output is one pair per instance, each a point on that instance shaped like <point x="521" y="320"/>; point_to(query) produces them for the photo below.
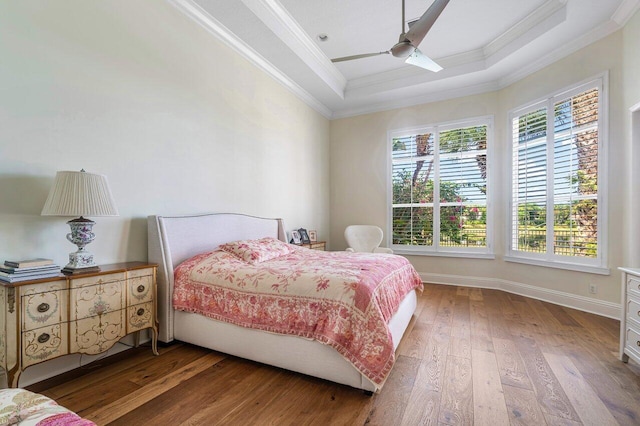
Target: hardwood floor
<point x="470" y="356"/>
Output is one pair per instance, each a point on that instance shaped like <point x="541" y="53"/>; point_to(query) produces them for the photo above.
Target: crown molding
<point x="443" y="95"/>
<point x="538" y="18"/>
<point x="542" y="20"/>
<point x="547" y="16"/>
<point x="625" y="11"/>
<point x="497" y="84"/>
<point x="287" y="29"/>
<point x="477" y="60"/>
<point x="223" y="34"/>
<point x="563" y="51"/>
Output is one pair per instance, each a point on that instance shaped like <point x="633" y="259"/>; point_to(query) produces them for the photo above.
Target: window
<point x="439" y="189"/>
<point x="557" y="212"/>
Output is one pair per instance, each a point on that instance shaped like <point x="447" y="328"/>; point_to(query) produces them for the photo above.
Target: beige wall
<point x="359" y="171"/>
<point x="177" y="121"/>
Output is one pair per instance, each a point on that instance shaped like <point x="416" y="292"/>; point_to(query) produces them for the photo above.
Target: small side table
<point x="315" y="245"/>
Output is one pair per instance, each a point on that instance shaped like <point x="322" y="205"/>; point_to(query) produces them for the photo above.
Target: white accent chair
<point x="365" y="238"/>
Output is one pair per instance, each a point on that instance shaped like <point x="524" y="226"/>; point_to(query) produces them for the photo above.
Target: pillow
<point x="256" y="251"/>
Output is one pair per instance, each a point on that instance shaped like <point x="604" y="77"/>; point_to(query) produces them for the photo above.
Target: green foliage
<point x="463" y="140"/>
<point x="573" y="236"/>
<point x="398" y="145"/>
<point x="414" y="225"/>
<point x="532" y="215"/>
<point x="459" y="224"/>
<point x="587" y="183"/>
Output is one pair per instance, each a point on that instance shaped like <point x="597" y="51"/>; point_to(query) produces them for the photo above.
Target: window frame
<point x="486" y="252"/>
<point x="597" y="265"/>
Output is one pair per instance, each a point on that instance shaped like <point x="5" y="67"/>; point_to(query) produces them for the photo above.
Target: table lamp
<point x="80" y="194"/>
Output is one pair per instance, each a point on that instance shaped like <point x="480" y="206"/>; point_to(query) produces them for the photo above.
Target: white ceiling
<point x="482" y="45"/>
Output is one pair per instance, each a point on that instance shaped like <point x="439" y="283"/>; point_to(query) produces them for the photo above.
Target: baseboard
<point x="586" y="304"/>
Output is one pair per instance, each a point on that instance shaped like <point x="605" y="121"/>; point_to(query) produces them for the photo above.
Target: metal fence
<point x="468" y="238"/>
<point x="569" y="243"/>
<point x="566" y="242"/>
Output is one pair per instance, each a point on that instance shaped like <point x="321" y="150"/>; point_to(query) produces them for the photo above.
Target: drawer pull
<point x="140" y="288"/>
<point x="44" y="337"/>
<point x="140" y="312"/>
<point x="43" y="307"/>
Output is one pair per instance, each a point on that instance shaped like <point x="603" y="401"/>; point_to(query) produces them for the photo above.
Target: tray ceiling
<point x="482" y="45"/>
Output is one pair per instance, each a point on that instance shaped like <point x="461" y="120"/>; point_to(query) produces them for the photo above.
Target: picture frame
<point x="304" y="237"/>
<point x="313" y="236"/>
<point x="295" y="237"/>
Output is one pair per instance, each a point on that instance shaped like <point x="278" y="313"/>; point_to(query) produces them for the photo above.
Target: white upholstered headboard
<point x="174" y="239"/>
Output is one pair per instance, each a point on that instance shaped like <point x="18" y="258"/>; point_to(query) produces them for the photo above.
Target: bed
<point x="177" y="239"/>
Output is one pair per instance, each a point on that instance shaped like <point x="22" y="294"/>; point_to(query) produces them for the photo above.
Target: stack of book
<point x="15" y="271"/>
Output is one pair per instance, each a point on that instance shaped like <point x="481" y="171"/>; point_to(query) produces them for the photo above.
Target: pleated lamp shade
<point x="79" y="194"/>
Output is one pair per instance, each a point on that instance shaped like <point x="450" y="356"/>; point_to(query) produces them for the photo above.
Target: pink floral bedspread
<point x="342" y="299"/>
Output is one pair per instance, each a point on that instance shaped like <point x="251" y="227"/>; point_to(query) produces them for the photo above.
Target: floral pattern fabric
<point x="256" y="251"/>
<point x="25" y="408"/>
<point x="341" y="299"/>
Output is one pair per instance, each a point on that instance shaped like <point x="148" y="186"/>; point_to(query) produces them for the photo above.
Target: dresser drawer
<point x="633" y="341"/>
<point x="44" y="343"/>
<point x="95" y="296"/>
<point x="43" y="304"/>
<point x="139" y="317"/>
<point x="633" y="285"/>
<point x="94" y="335"/>
<point x="140" y="286"/>
<point x="633" y="311"/>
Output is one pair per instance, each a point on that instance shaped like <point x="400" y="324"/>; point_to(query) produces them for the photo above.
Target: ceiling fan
<point x="407" y="46"/>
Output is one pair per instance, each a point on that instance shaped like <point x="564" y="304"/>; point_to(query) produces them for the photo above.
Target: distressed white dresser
<point x="83" y="313"/>
<point x="630" y="318"/>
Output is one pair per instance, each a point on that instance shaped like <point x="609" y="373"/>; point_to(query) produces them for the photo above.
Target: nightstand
<point x="82" y="313"/>
<point x="316" y="245"/>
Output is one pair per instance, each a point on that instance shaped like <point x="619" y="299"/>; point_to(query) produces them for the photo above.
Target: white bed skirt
<point x="289" y="352"/>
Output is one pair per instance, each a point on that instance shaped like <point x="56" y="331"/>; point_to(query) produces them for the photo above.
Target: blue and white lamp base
<point x="81" y="234"/>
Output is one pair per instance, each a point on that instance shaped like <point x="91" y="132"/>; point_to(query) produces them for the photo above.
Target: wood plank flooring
<point x="469" y="357"/>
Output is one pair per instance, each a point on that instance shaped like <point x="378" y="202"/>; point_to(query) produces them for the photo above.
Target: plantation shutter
<point x="412" y="180"/>
<point x="463" y="186"/>
<point x="439" y="188"/>
<point x="575" y="179"/>
<point x="529" y="181"/>
<point x="555" y="178"/>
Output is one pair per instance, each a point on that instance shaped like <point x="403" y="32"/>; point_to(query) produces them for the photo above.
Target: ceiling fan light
<point x="402" y="49"/>
<point x="421" y="60"/>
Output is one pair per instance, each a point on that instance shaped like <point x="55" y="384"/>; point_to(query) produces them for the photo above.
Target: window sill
<point x="467" y="255"/>
<point x="600" y="270"/>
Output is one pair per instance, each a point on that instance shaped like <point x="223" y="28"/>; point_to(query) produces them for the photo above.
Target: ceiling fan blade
<point x="422" y="26"/>
<point x="421" y="60"/>
<point x="364" y="55"/>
